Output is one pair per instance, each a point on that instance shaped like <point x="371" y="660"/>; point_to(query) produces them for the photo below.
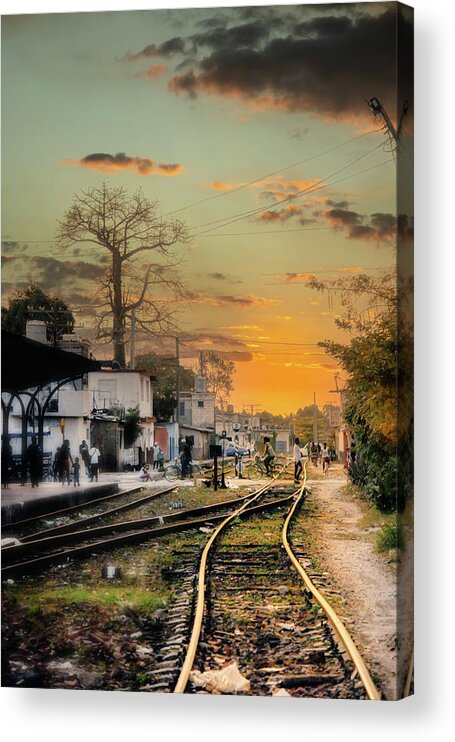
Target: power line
<point x="274" y="172"/>
<point x="308" y="191"/>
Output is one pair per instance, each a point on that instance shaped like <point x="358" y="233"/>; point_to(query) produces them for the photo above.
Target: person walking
<point x="155" y="450"/>
<point x="76" y="472"/>
<point x="269" y="457"/>
<point x="35" y="462"/>
<point x="66" y="462"/>
<point x="297" y="456"/>
<point x="325" y="453"/>
<point x="186" y="459"/>
<point x="95" y="455"/>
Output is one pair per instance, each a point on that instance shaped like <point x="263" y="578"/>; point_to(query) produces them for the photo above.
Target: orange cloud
<point x="106" y="163"/>
<point x="221" y="185"/>
<point x="296" y="277"/>
<point x="153" y="72"/>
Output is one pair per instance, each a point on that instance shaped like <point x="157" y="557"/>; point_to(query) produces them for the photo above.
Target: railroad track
<point x="44" y="549"/>
<point x="291" y="647"/>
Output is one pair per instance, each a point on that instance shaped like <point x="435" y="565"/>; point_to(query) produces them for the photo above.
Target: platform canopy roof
<point x="28" y="364"/>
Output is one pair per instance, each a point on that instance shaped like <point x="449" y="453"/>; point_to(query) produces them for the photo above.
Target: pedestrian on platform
<point x="35" y="462"/>
<point x="7" y="462"/>
<point x="269" y="457"/>
<point x="160" y="459"/>
<point x="95" y="455"/>
<point x="66" y="462"/>
<point x="155" y="450"/>
<point x="85" y="456"/>
<point x="76" y="472"/>
<point x="297" y="456"/>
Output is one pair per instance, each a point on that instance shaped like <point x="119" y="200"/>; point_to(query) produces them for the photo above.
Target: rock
<point x="226" y="680"/>
<point x="281" y="692"/>
<point x="287" y="626"/>
<point x="9" y="581"/>
<point x="143" y="651"/>
<point x="282" y="589"/>
<point x="136" y="635"/>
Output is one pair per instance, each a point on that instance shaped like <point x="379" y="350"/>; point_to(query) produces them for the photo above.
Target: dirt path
<point x="366" y="582"/>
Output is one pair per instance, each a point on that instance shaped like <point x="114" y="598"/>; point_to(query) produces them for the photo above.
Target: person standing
<point x="66" y="462"/>
<point x="83" y="450"/>
<point x="186" y="458"/>
<point x="7" y="461"/>
<point x="160" y="459"/>
<point x="297" y="456"/>
<point x="95" y="455"/>
<point x="155" y="450"/>
<point x="35" y="462"/>
<point x="76" y="472"/>
<point x="269" y="457"/>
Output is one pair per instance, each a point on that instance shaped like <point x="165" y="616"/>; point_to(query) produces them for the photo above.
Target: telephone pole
<point x="133" y="338"/>
<point x="315" y="419"/>
<point x="177" y="378"/>
<point x="378" y="109"/>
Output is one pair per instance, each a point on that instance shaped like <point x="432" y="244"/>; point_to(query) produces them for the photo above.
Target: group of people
<point x="64" y="465"/>
<point x="316" y="452"/>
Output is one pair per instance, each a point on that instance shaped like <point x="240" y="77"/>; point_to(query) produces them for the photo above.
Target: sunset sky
<point x="251" y="125"/>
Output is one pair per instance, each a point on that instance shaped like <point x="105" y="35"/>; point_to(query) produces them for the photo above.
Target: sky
<point x="249" y="124"/>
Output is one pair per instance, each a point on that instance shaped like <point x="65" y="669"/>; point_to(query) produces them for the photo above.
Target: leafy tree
<point x="378" y="363"/>
<point x="33" y="303"/>
<point x="132" y="426"/>
<point x="164" y="388"/>
<point x="140" y="246"/>
<point x="219" y="372"/>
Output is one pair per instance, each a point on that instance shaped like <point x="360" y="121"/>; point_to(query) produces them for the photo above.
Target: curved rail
<point x="199" y="613"/>
<point x="372" y="691"/>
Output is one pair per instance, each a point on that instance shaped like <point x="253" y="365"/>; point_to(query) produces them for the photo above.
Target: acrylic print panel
<point x="207" y="370"/>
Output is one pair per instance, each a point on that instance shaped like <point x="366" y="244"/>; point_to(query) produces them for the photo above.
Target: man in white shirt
<point x="325" y="455"/>
<point x="95" y="455"/>
<point x="297" y="456"/>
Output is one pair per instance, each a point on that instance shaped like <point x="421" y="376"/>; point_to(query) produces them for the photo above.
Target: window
<point x="182" y="408"/>
<point x="200" y="403"/>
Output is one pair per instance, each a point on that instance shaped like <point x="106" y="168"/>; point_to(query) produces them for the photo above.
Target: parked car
<point x="232" y="450"/>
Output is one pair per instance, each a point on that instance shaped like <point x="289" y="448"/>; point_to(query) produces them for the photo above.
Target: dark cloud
<point x="328" y="61"/>
<point x="176" y="45"/>
<point x="107" y="163"/>
<point x="10" y="246"/>
<point x="51" y="273"/>
<point x="377" y="227"/>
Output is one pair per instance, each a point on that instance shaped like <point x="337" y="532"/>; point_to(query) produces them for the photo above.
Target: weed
<point x="390" y="537"/>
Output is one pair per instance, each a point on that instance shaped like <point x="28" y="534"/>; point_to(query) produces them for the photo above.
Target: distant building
<point x="197" y="418"/>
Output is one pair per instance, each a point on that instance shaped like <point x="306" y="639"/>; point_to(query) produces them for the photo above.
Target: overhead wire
<point x="274" y="172"/>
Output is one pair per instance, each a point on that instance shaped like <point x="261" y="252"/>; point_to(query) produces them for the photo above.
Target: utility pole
<point x="315" y="419"/>
<point x="133" y="338"/>
<point x="378" y="109"/>
<point x="177" y="378"/>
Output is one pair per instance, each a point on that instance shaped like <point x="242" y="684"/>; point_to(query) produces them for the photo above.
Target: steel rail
<point x="82" y="522"/>
<point x="200" y="602"/>
<point x="136" y="537"/>
<point x="67" y="537"/>
<point x="372" y="691"/>
<point x="63" y="511"/>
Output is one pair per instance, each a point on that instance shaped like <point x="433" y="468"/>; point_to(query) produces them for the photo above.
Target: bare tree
<point x="131" y="229"/>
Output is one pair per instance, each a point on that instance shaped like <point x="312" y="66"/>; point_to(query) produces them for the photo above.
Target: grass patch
<point x="68" y="596"/>
<point x="390" y="537"/>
